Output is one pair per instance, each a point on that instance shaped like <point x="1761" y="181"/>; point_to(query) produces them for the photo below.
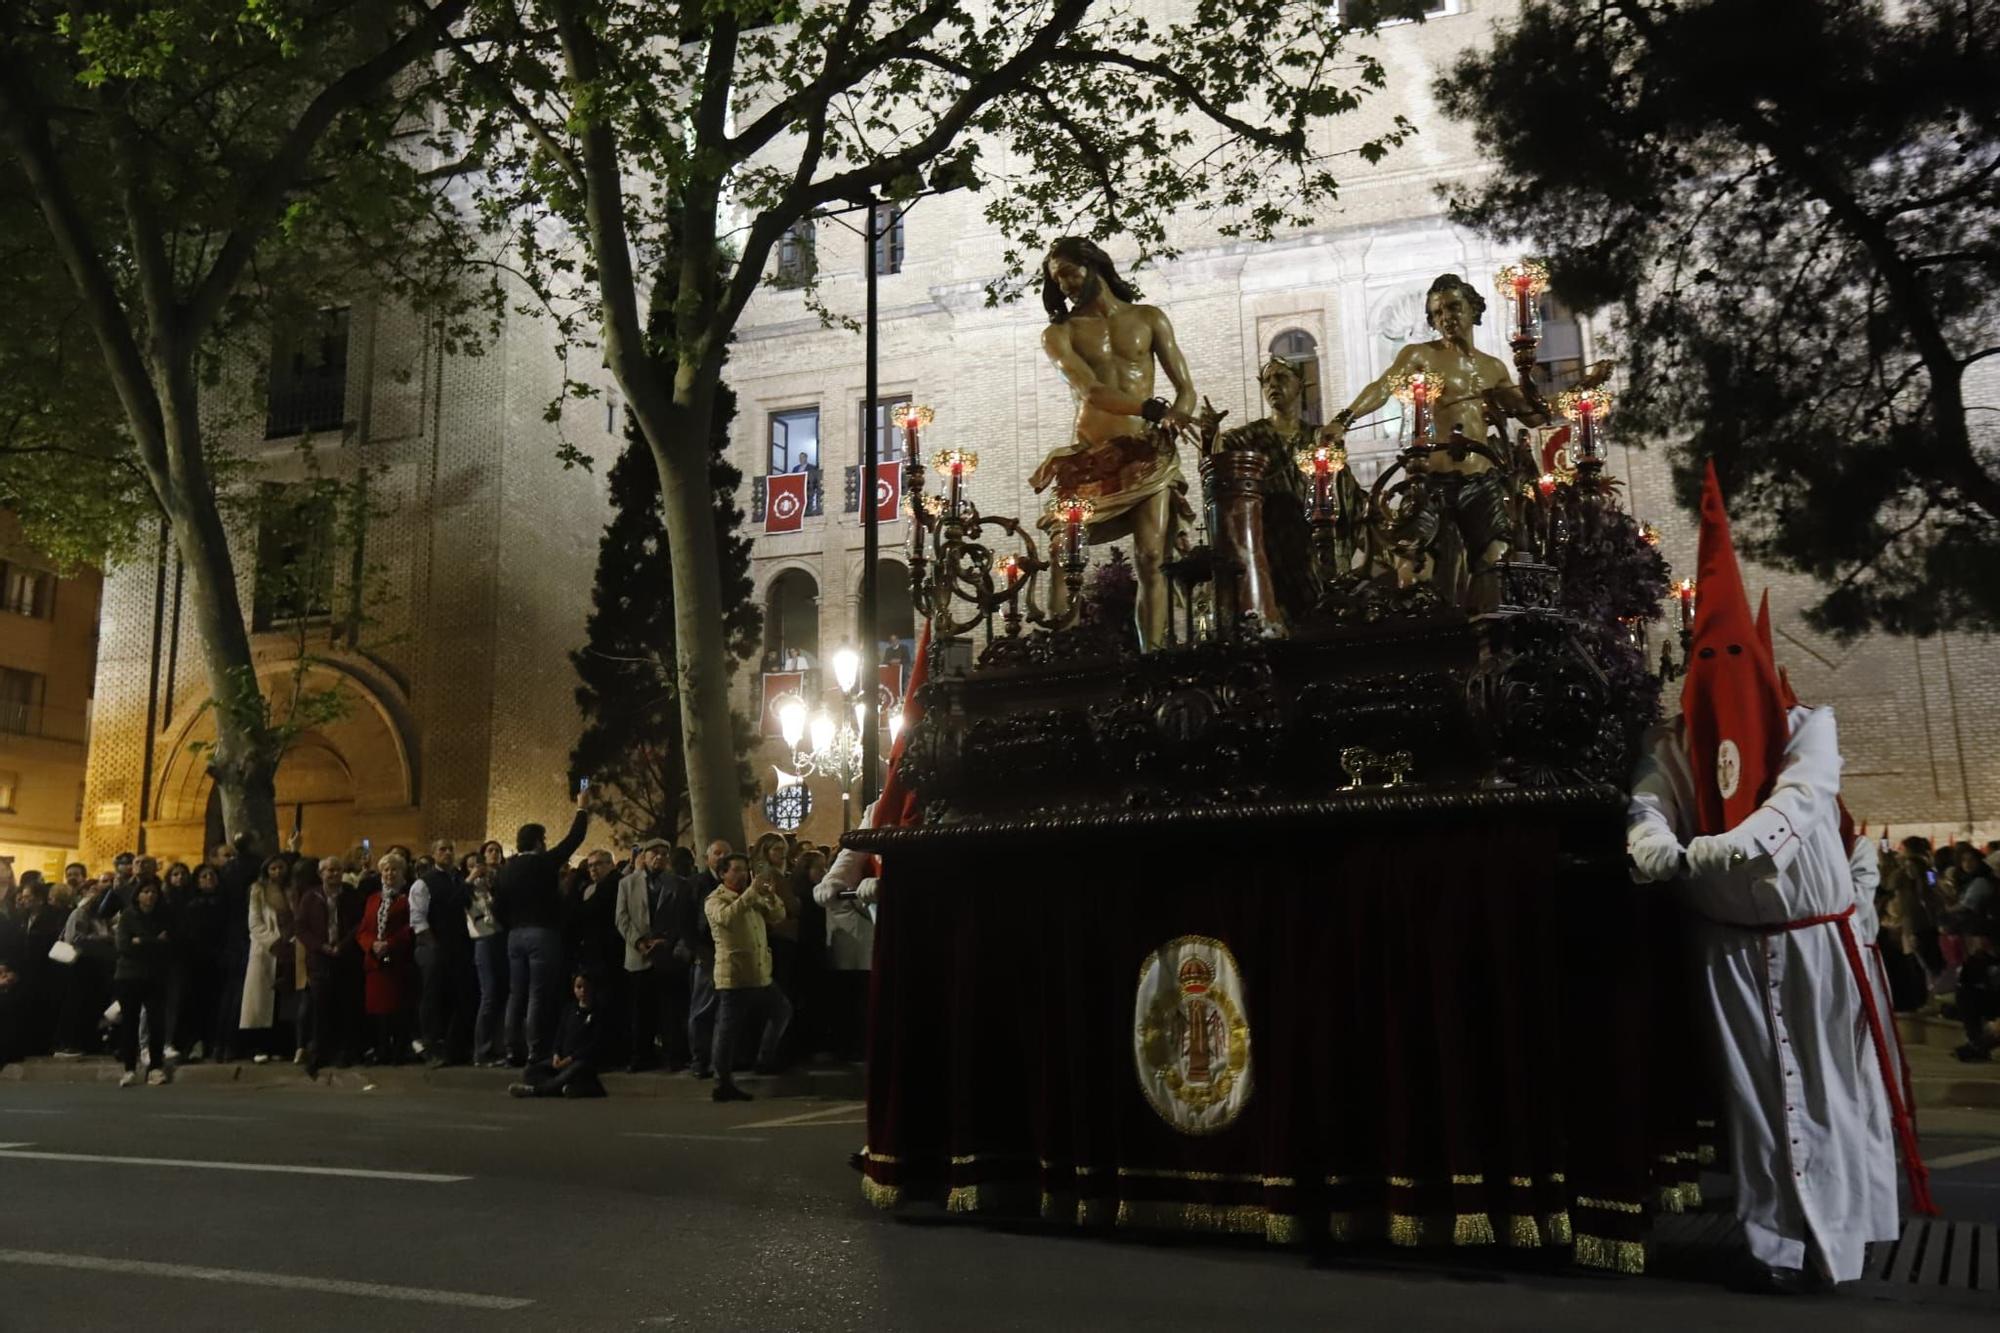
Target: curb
<point x="841" y="1082"/>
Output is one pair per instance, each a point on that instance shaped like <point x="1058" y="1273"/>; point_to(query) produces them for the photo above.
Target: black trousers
<point x="443" y="1013"/>
<point x="192" y="1001"/>
<point x="573" y="1080"/>
<point x="150" y="996"/>
<point x="659" y="1012"/>
<point x="336" y="1035"/>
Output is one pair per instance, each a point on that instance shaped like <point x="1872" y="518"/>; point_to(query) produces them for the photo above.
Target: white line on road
<point x="698" y="1138"/>
<point x="224" y="1119"/>
<point x="249" y="1278"/>
<point x="11" y="1150"/>
<point x="29" y="1110"/>
<point x="810" y="1117"/>
<point x="1968" y="1158"/>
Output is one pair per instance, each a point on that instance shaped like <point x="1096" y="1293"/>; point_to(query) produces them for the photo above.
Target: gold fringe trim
<point x="868" y="1154"/>
<point x="1618" y="1256"/>
<point x="1556" y="1227"/>
<point x="1691" y="1194"/>
<point x="1523" y="1233"/>
<point x="1706" y="1155"/>
<point x="1472" y="1229"/>
<point x="1237" y="1219"/>
<point x="1611" y="1206"/>
<point x="882" y="1196"/>
<point x="1669" y="1200"/>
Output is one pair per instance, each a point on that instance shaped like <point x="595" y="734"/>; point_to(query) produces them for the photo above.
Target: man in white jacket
<point x="1738" y="800"/>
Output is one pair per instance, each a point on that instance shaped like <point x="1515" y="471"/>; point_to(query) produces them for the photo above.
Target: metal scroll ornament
<point x="1191" y="1035"/>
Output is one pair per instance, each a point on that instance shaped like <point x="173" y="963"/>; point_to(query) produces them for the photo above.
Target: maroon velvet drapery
<point x="1460" y="1033"/>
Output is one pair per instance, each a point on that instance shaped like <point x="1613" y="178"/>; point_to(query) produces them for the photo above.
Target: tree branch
<point x="270" y="185"/>
<point x="1287" y="141"/>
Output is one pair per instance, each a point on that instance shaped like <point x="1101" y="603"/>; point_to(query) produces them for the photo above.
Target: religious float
<point x="1302" y="912"/>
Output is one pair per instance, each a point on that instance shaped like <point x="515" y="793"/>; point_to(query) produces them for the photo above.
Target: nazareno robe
<point x="1808" y="1118"/>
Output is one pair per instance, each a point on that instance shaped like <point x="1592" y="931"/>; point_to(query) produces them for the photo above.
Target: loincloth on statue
<point x="1476" y="501"/>
<point x="1116" y="476"/>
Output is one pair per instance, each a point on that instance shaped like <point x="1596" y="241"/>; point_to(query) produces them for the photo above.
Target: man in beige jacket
<point x="738" y="915"/>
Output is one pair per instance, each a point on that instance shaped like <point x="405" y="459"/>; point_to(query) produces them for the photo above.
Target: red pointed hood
<point x="1732" y="705"/>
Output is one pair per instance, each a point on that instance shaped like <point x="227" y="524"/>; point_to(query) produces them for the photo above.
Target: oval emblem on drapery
<point x="1191" y="1035"/>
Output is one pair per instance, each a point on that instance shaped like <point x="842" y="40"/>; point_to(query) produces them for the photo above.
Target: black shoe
<point x="729" y="1092"/>
<point x="436" y="1062"/>
<point x="702" y="1071"/>
<point x="312" y="1070"/>
<point x="517" y="1062"/>
<point x="1974" y="1055"/>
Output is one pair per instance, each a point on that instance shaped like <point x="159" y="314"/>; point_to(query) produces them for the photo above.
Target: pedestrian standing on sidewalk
<point x="268" y="922"/>
<point x="489" y="957"/>
<point x="739" y="915"/>
<point x="527" y="899"/>
<point x="144" y="955"/>
<point x="444" y="956"/>
<point x="701" y="964"/>
<point x="388" y="959"/>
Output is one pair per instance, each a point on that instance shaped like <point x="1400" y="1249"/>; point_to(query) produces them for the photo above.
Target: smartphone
<point x="582" y="786"/>
<point x="367" y="847"/>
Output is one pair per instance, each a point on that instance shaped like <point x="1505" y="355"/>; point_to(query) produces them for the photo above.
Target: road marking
<point x="486" y="1129"/>
<point x="29" y="1110"/>
<point x="818" y="1117"/>
<point x="1968" y="1158"/>
<point x="224" y="1119"/>
<point x="11" y="1151"/>
<point x="698" y="1138"/>
<point x="251" y="1278"/>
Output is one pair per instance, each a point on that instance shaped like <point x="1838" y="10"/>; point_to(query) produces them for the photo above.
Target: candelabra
<point x="1684" y="595"/>
<point x="958" y="579"/>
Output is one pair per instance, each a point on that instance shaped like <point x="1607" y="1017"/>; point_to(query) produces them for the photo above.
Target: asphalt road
<point x="675" y="1213"/>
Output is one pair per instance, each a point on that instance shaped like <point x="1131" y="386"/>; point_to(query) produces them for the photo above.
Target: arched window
<point x="1302" y="350"/>
<point x="791" y="622"/>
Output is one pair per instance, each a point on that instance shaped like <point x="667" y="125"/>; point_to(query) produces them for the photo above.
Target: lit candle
<point x="1547" y="482"/>
<point x="1586" y="409"/>
<point x="1420" y="398"/>
<point x="1011" y="567"/>
<point x="957" y="470"/>
<point x="1524" y="288"/>
<point x="1684" y="590"/>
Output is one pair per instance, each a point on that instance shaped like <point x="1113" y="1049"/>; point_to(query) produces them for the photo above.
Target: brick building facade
<point x="465" y="714"/>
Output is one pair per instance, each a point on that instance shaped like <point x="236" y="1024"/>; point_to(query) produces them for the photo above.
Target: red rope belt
<point x="1901" y="1107"/>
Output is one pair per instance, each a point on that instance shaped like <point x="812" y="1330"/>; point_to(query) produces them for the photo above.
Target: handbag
<point x="62" y="951"/>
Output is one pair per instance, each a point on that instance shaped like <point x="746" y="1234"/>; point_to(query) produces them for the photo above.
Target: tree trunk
<point x="244" y="763"/>
<point x="701" y="656"/>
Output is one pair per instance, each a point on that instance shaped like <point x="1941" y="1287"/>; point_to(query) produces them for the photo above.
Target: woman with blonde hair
<point x="388" y="950"/>
<point x="270" y="919"/>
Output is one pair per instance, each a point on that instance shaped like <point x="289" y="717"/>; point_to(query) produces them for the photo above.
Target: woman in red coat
<point x="387" y="950"/>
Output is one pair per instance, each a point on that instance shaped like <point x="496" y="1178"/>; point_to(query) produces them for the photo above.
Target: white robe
<point x="1808" y="1118"/>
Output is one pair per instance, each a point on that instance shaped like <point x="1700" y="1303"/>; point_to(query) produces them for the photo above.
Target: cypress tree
<point x="630" y="748"/>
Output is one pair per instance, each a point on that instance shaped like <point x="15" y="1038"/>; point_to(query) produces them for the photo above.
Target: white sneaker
<point x="131" y="1077"/>
<point x="172" y="1055"/>
<point x="299" y="1056"/>
<point x="260" y="1059"/>
<point x="156" y="1077"/>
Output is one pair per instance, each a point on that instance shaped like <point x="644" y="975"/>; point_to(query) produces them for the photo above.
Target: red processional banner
<point x="778" y="684"/>
<point x="888" y="492"/>
<point x="889" y="687"/>
<point x="784" y="501"/>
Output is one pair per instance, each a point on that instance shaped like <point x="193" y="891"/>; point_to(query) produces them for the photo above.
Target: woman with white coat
<point x="270" y="937"/>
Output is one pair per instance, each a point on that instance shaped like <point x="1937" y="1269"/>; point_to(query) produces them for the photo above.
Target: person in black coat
<point x="528" y="902"/>
<point x="237" y="875"/>
<point x="444" y="956"/>
<point x="145" y="956"/>
<point x="579" y="1052"/>
<point x="200" y="937"/>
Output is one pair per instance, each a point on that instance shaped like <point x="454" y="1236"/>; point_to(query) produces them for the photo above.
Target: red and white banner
<point x="784" y="501"/>
<point x="778" y="684"/>
<point x="888" y="492"/>
<point x="888" y="688"/>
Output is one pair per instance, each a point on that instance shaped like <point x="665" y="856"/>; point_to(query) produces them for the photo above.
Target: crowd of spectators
<point x="1940" y="914"/>
<point x="494" y="959"/>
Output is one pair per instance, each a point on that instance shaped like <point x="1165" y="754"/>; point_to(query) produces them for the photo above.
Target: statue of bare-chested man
<point x="1123" y="459"/>
<point x="1470" y="390"/>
